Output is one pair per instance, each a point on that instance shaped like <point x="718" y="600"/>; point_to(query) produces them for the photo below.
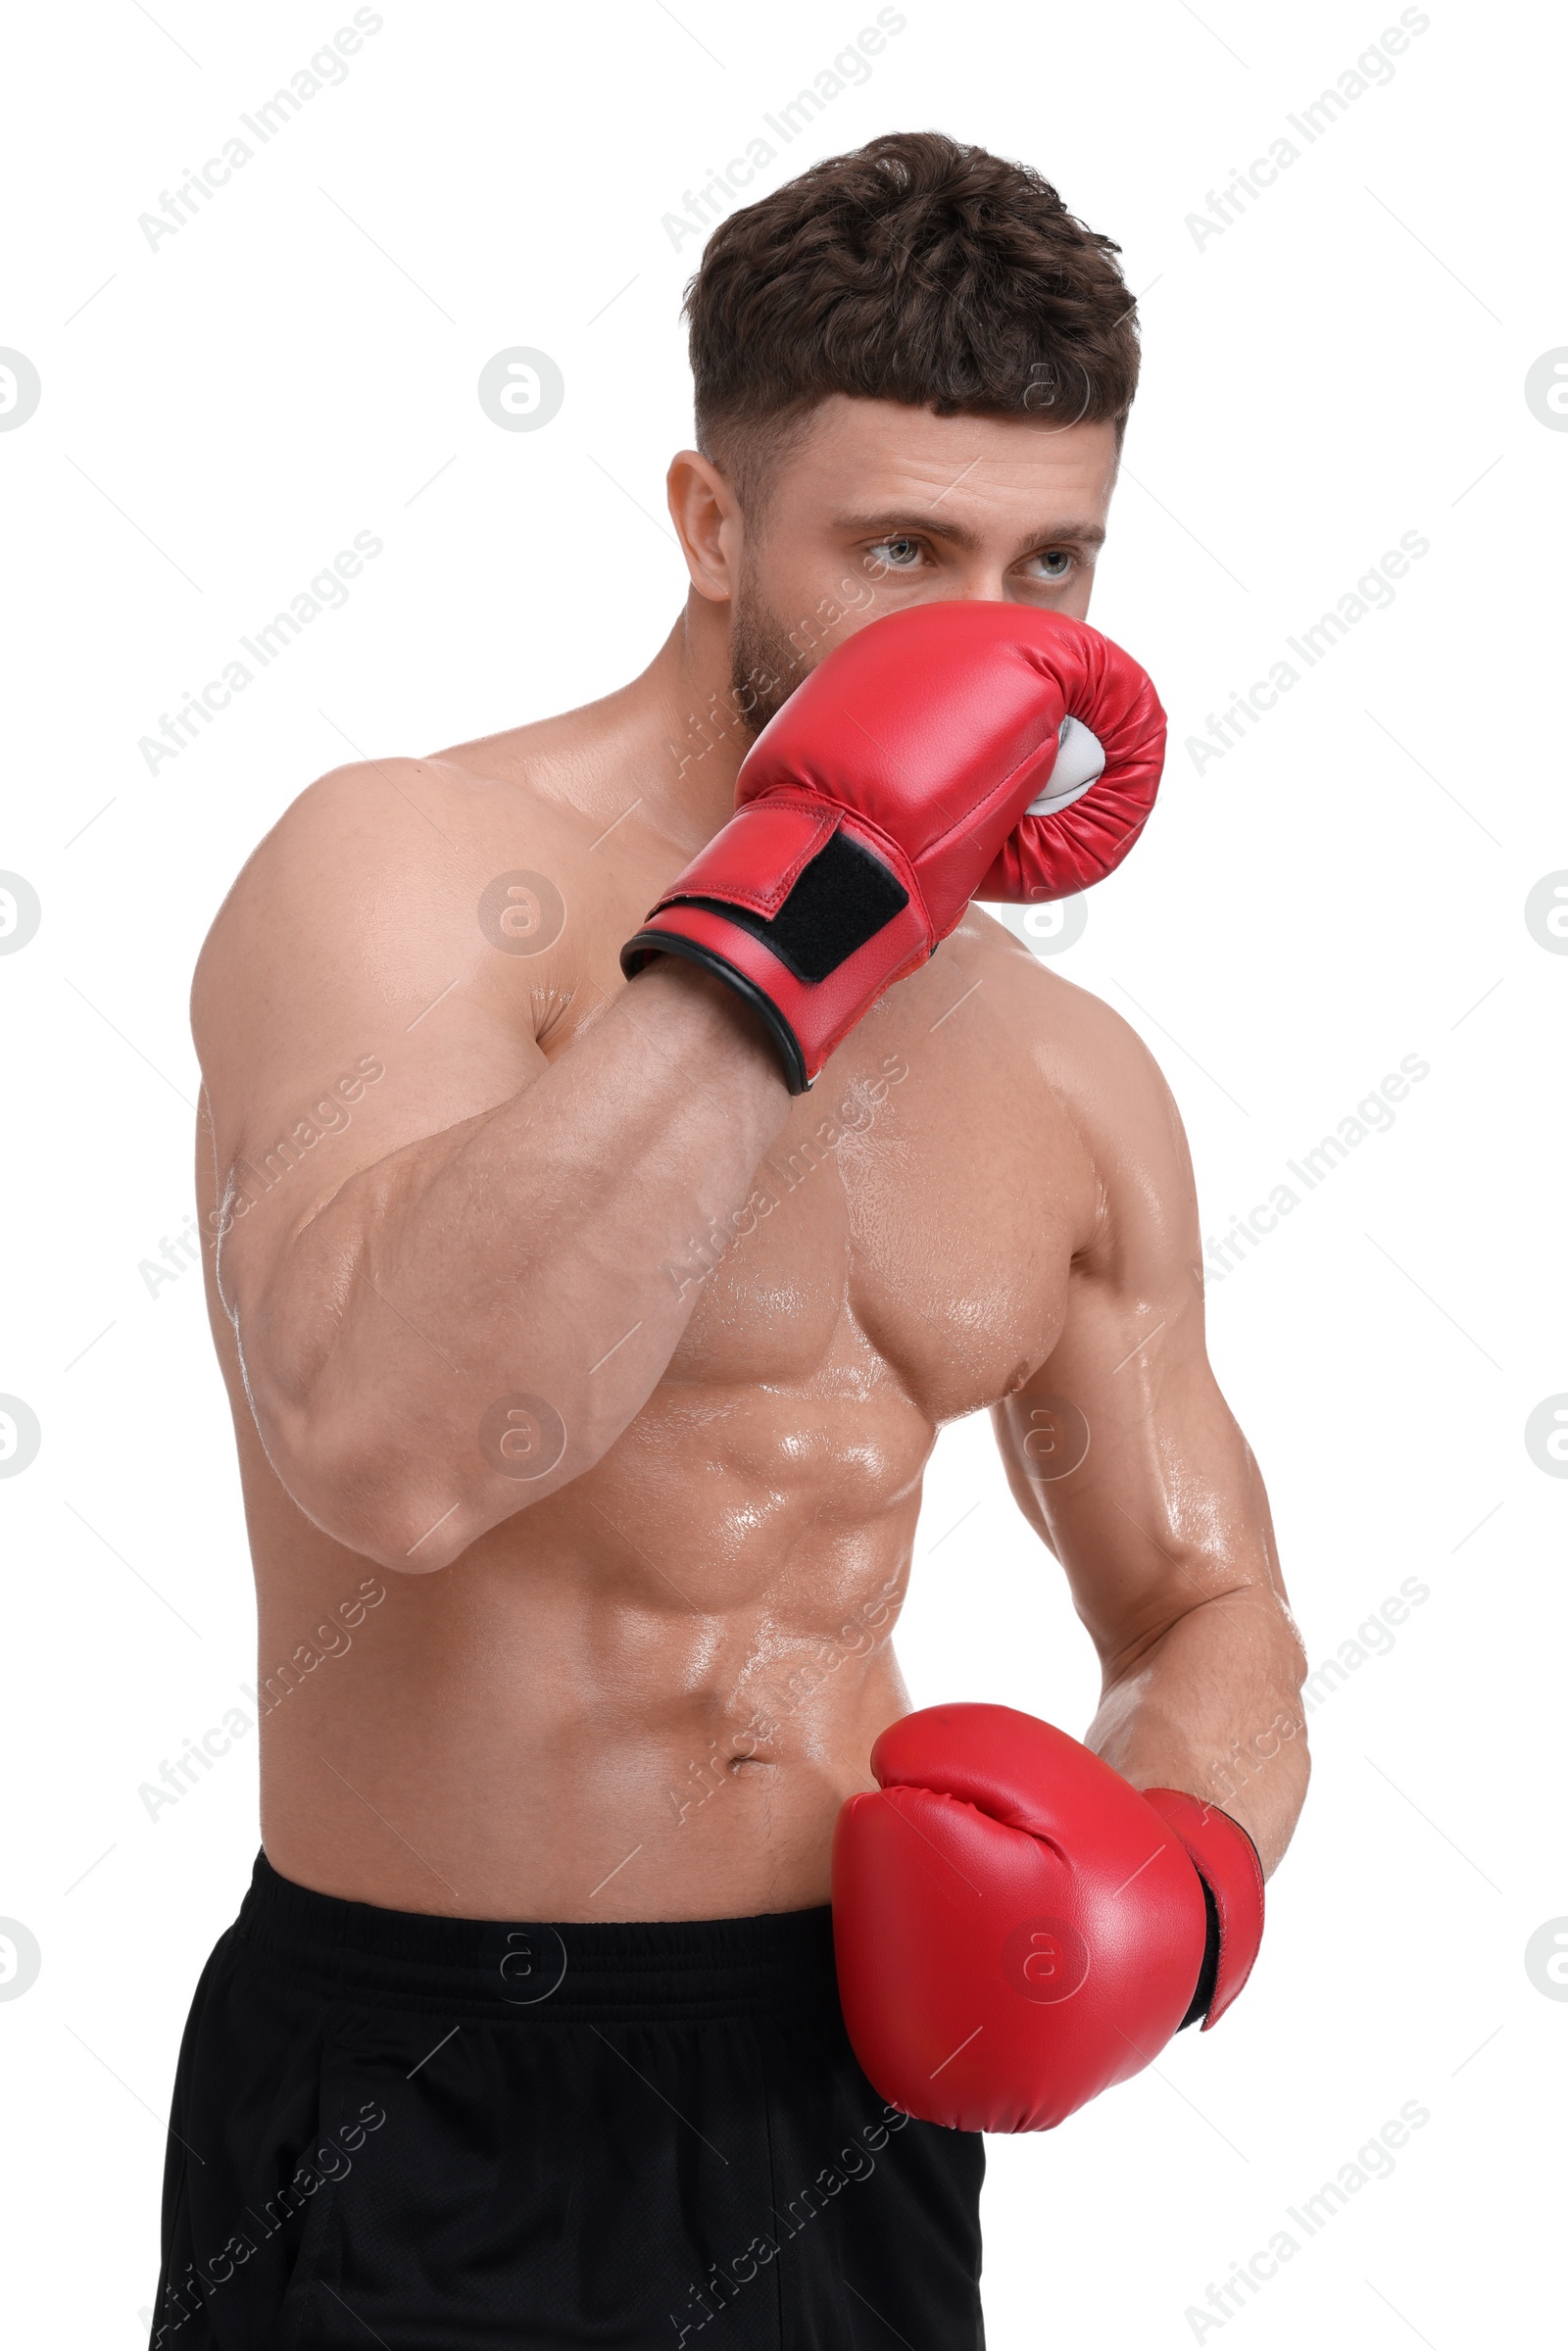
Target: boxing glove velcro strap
<point x="842" y="898"/>
<point x="1226" y="1861"/>
<point x="801" y="915"/>
<point x="838" y="900"/>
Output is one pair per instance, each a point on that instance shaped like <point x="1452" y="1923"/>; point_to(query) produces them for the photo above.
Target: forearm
<point x="1213" y="1708"/>
<point x="528" y="1254"/>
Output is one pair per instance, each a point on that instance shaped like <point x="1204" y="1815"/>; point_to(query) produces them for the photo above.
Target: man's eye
<point x="1057" y="562"/>
<point x="898" y="553"/>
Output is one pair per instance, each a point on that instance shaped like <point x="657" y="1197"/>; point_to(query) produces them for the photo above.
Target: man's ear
<point x="707" y="522"/>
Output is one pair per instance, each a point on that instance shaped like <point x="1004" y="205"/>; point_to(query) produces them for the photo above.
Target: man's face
<point x="879" y="506"/>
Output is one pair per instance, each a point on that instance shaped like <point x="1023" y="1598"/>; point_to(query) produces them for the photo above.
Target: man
<point x="584" y="1368"/>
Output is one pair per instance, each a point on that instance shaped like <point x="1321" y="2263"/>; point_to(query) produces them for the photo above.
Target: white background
<point x="1342" y="365"/>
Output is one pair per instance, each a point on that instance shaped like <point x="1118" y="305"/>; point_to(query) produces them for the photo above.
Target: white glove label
<point x="1080" y="762"/>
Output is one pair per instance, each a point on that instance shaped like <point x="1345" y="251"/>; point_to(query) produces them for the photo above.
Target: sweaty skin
<point x="583" y="1381"/>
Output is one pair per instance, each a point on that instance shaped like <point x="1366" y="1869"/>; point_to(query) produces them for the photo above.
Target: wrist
<point x="698" y="1017"/>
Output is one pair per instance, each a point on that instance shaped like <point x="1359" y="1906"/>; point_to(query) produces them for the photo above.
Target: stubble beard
<point x="765" y="668"/>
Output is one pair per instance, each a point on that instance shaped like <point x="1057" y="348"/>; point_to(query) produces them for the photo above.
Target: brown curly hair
<point x="915" y="270"/>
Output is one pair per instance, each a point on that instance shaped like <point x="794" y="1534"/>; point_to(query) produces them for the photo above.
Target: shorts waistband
<point x="533" y="1971"/>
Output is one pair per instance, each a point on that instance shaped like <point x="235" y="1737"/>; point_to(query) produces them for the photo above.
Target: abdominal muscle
<point x="644" y="1699"/>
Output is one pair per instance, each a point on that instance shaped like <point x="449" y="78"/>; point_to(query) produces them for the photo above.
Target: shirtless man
<point x="588" y="1373"/>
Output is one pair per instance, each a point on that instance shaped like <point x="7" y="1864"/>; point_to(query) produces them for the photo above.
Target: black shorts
<point x="436" y="2134"/>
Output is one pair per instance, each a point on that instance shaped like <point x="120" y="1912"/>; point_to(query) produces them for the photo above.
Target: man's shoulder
<point x="1094" y="1062"/>
<point x="401" y="847"/>
<point x="423" y="822"/>
<point x="413" y="808"/>
<point x="1074" y="1036"/>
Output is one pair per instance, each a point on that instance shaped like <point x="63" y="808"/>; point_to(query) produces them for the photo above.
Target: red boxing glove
<point x="1016" y="1927"/>
<point x="882" y="795"/>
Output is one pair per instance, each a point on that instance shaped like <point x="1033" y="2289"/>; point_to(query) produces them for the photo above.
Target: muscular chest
<point x="917" y="1218"/>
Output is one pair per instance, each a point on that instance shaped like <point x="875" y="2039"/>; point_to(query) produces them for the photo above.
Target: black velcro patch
<point x="844" y="897"/>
